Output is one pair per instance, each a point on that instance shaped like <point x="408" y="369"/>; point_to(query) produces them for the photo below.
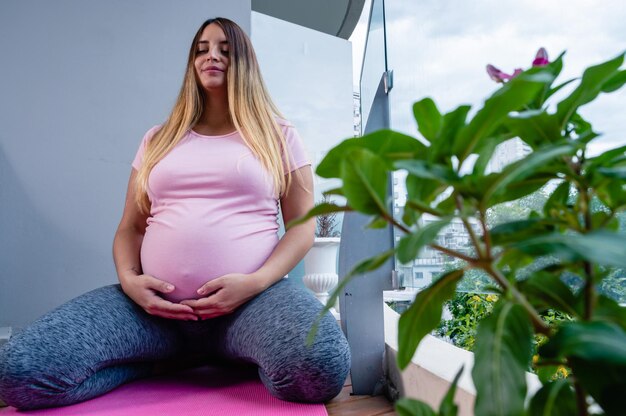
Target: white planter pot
<point x="320" y="267"/>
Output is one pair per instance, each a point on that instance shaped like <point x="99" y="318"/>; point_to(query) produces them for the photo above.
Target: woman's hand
<point x="143" y="290"/>
<point x="224" y="294"/>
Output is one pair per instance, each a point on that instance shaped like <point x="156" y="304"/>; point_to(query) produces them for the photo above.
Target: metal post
<point x="361" y="303"/>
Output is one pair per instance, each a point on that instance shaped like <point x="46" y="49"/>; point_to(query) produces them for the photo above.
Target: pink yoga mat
<point x="205" y="391"/>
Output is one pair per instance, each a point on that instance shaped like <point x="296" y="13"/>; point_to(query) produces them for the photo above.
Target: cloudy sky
<point x="439" y="48"/>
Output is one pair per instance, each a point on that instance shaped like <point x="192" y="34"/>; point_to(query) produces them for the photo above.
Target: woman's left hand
<point x="224" y="294"/>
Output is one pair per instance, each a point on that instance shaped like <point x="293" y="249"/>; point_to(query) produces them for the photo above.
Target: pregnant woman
<point x="200" y="264"/>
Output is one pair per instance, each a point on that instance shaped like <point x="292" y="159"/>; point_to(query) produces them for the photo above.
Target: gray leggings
<point x="102" y="339"/>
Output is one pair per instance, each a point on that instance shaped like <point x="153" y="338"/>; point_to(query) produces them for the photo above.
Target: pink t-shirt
<point x="213" y="210"/>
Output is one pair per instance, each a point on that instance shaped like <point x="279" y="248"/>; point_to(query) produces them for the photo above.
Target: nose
<point x="214" y="54"/>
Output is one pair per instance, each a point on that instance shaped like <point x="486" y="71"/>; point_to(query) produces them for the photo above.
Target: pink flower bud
<point x="499" y="76"/>
<point x="541" y="59"/>
<point x="495" y="74"/>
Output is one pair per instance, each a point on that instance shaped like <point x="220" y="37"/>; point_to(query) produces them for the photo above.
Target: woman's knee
<point x="24" y="381"/>
<point x="313" y="374"/>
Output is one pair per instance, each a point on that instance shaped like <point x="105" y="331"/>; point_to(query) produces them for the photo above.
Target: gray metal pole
<point x="361" y="302"/>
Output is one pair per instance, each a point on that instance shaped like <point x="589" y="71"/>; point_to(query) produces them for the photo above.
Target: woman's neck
<point x="215" y="119"/>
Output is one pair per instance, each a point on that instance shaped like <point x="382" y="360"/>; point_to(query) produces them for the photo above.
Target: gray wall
<point x="80" y="82"/>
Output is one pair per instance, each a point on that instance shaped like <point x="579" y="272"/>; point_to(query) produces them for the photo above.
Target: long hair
<point x="251" y="108"/>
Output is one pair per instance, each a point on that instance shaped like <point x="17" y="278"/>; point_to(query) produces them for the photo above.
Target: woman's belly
<point x="188" y="252"/>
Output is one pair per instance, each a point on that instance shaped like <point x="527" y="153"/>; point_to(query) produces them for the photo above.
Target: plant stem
<point x="433" y="245"/>
<point x="589" y="292"/>
<point x="453" y="253"/>
<point x="581" y="399"/>
<point x="423" y="208"/>
<point x="486" y="235"/>
<point x="540" y="326"/>
<point x="479" y="249"/>
<point x="589" y="278"/>
<point x="390" y="219"/>
<point x="549" y="363"/>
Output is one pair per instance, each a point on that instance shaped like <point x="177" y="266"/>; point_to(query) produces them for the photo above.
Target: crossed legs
<point x="102" y="339"/>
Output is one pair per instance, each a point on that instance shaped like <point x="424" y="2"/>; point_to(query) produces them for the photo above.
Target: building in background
<point x="507" y="153"/>
<point x="356" y="118"/>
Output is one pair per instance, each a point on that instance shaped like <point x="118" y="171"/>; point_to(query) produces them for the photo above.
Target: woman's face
<point x="212" y="58"/>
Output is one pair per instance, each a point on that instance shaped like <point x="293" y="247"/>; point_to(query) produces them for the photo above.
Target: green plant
<point x="467" y="310"/>
<point x="584" y="244"/>
<point x="326" y="224"/>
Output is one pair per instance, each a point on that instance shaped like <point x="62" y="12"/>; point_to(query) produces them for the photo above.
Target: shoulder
<point x="284" y="124"/>
<point x="288" y="129"/>
<point x="152" y="131"/>
<point x="150" y="134"/>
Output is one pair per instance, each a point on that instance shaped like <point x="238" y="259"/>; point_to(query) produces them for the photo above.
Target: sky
<point x="439" y="49"/>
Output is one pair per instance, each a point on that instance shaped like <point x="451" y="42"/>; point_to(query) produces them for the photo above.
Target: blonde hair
<point x="251" y="108"/>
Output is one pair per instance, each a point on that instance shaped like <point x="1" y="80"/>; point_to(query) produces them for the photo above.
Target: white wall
<point x="309" y="75"/>
<point x="80" y="82"/>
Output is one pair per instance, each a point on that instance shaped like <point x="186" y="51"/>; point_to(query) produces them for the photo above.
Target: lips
<point x="212" y="68"/>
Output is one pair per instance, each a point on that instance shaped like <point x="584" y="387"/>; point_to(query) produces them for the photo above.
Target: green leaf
<point x="371" y="264"/>
<point x="607" y="157"/>
<point x="596" y="353"/>
<point x="554" y="68"/>
<point x="411" y="244"/>
<point x="424" y="315"/>
<point x="511" y="96"/>
<point x="365" y="183"/>
<point x="514" y="260"/>
<point x="601" y="247"/>
<point x="609" y="311"/>
<point x="513" y="231"/>
<point x="554" y="399"/>
<point x="453" y="122"/>
<point x="427" y="170"/>
<point x="606" y="383"/>
<point x="420" y="207"/>
<point x="377" y="223"/>
<point x="502" y="353"/>
<point x="546" y="373"/>
<point x="618" y="172"/>
<point x="334" y="191"/>
<point x="525" y="167"/>
<point x="600" y="342"/>
<point x="520" y="189"/>
<point x="320" y="209"/>
<point x="549" y="289"/>
<point x="557" y="200"/>
<point x="447" y="406"/>
<point x="536" y="128"/>
<point x="389" y="145"/>
<point x="593" y="80"/>
<point x="423" y="191"/>
<point x="582" y="128"/>
<point x="558" y="87"/>
<point x="615" y="82"/>
<point x="612" y="194"/>
<point x="428" y="118"/>
<point x="412" y="407"/>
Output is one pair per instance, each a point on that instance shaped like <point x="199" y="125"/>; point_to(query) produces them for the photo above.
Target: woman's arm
<point x="228" y="292"/>
<point x="141" y="288"/>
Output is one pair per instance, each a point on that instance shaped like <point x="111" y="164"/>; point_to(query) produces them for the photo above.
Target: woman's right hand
<point x="144" y="290"/>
